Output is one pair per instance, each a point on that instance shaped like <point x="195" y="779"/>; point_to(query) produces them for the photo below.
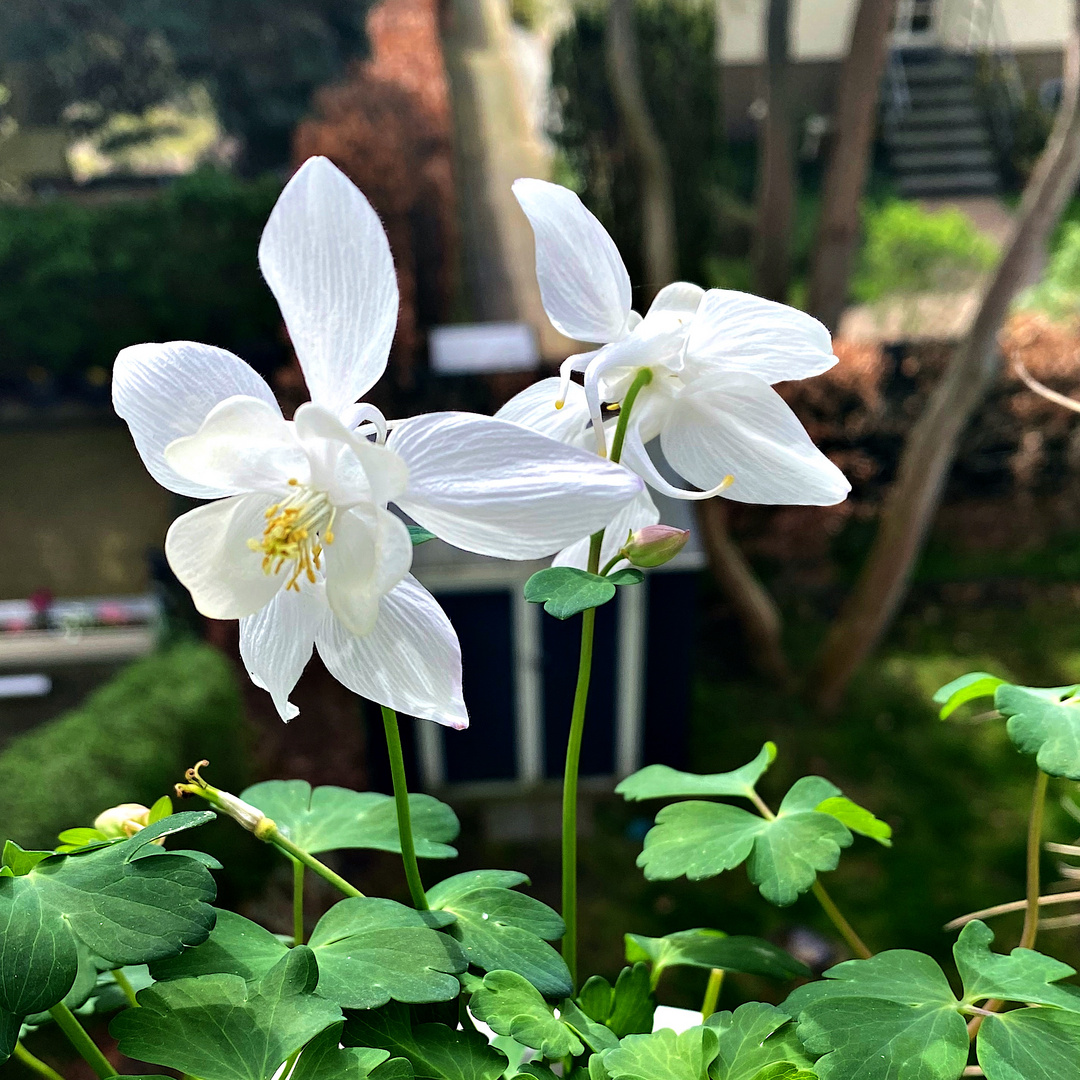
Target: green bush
<point x="130" y="741"/>
<point x="909" y="250"/>
<point x="1058" y="293"/>
<point x="83" y="281"/>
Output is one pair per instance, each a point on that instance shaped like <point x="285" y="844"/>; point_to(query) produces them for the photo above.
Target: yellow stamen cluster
<point x="297" y="528"/>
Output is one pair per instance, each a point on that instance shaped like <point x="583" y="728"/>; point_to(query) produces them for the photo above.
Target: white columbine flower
<point x="713" y="357"/>
<point x="299" y="544"/>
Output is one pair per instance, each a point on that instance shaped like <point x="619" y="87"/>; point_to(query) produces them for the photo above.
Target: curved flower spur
<point x="712" y="358"/>
<point x="299" y="544"/>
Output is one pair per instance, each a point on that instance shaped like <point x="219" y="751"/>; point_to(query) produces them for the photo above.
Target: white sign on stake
<point x="483" y="348"/>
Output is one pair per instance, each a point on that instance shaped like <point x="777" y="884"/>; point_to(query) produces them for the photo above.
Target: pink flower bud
<point x="655" y="545"/>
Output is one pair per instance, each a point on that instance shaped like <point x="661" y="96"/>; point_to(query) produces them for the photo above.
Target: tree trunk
<point x="931" y="447"/>
<point x="753" y="605"/>
<point x="775" y="208"/>
<point x="857" y="97"/>
<point x="657" y="198"/>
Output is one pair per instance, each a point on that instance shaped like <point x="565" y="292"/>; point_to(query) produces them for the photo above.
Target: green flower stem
<point x="273" y="836"/>
<point x="828" y="905"/>
<point x="298" y="902"/>
<point x="641" y="380"/>
<point x="76" y="1034"/>
<point x="124" y="983"/>
<point x="570" y="775"/>
<point x="712" y="993"/>
<point x="1034" y="850"/>
<point x="577" y="717"/>
<point x="401" y="800"/>
<point x="35" y="1063"/>
<point x="255" y="821"/>
<point x="836" y="917"/>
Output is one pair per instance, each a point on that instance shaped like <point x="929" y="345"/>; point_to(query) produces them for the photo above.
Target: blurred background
<point x="863" y="159"/>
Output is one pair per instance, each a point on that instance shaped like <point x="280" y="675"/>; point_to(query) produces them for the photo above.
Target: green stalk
<point x="76" y="1034"/>
<point x="836" y="917"/>
<point x="256" y="822"/>
<point x="298" y="902"/>
<point x="712" y="993"/>
<point x="36" y="1064"/>
<point x="124" y="983"/>
<point x="1034" y="846"/>
<point x="577" y="716"/>
<point x="273" y="836"/>
<point x="828" y="905"/>
<point x="404" y="817"/>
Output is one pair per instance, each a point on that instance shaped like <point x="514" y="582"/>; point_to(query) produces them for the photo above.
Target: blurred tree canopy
<point x="680" y="81"/>
<point x="259" y="59"/>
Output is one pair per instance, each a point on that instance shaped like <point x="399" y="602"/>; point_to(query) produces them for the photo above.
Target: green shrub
<point x="130" y="741"/>
<point x="1058" y="293"/>
<point x="910" y="250"/>
<point x="83" y="281"/>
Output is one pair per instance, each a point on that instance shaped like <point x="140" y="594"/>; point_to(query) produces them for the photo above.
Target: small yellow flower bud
<point x="122" y="821"/>
<point x="654" y="545"/>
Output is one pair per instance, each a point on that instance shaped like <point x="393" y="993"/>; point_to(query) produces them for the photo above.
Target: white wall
<point x="821" y="28"/>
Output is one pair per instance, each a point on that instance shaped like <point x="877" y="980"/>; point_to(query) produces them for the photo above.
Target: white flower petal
<point x="165" y="392"/>
<point x="738" y="424"/>
<point x="637" y="458"/>
<point x="583" y="282"/>
<point x="534" y="408"/>
<point x="208" y="551"/>
<point x="325" y="256"/>
<point x="276" y="642"/>
<point x="365" y="561"/>
<point x="681" y="297"/>
<point x="244" y="444"/>
<point x="410" y="662"/>
<point x="498" y="489"/>
<point x="734" y="331"/>
<point x="635" y="515"/>
<point x="349" y="467"/>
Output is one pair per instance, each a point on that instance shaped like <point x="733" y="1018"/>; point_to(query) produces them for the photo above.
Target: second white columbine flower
<point x="713" y="358"/>
<point x="299" y="544"/>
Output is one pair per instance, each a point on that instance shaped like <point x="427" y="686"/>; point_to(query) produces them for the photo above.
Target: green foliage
<point x="500" y="929"/>
<point x="1057" y="294"/>
<point x="663" y="1055"/>
<point x="419" y="535"/>
<point x="1044" y="721"/>
<point x="129" y="741"/>
<point x="369" y="951"/>
<point x="910" y="250"/>
<point x="83" y="282"/>
<point x="435" y="1051"/>
<point x="565" y="591"/>
<point x="675" y="43"/>
<point x="113" y="902"/>
<point x="1029" y="1044"/>
<point x="627" y="1007"/>
<point x="220" y="1027"/>
<point x="331" y="818"/>
<point x="663" y="782"/>
<point x="784" y="854"/>
<point x="260" y="60"/>
<point x="712" y="949"/>
<point x="752" y="1038"/>
<point x="511" y="1005"/>
<point x="895" y="1014"/>
<point x="324" y="1059"/>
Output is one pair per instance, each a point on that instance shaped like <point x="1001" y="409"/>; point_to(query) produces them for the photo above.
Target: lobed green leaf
<point x="709" y="949"/>
<point x="565" y="591"/>
<point x="510" y="1005"/>
<point x="662" y="782"/>
<point x="332" y="818"/>
<point x="967" y="688"/>
<point x="754" y="1038"/>
<point x="1046" y="723"/>
<point x="503" y="930"/>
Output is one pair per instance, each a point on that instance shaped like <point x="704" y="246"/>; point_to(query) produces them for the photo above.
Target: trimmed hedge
<point x="83" y="281"/>
<point x="130" y="741"/>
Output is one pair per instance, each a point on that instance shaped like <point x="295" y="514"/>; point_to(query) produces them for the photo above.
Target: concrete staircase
<point x="937" y="134"/>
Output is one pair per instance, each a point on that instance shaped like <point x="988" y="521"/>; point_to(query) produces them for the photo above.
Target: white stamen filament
<point x="297" y="528"/>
